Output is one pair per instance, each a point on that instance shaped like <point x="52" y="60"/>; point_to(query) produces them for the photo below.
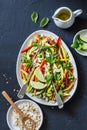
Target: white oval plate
<point x="10" y="117"/>
<point x="83" y="53"/>
<point x="41" y="101"/>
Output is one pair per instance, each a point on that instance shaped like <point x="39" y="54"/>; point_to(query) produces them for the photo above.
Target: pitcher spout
<point x="54" y="18"/>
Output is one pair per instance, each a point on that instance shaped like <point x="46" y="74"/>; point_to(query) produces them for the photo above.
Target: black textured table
<point x="15" y="26"/>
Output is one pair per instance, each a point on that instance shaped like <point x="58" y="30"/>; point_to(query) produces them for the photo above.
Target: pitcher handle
<point x="77" y="12"/>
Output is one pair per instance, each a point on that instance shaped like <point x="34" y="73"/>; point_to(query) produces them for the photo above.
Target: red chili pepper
<point x="35" y="78"/>
<point x="26" y="49"/>
<point x="43" y="63"/>
<point x="42" y="66"/>
<point x="42" y="70"/>
<point x="51" y="42"/>
<point x="58" y="42"/>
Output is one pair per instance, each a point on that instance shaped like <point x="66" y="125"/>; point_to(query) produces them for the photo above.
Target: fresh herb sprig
<point x="77" y="43"/>
<point x="34" y="17"/>
<point x="28" y="62"/>
<point x="44" y="21"/>
<point x="52" y="58"/>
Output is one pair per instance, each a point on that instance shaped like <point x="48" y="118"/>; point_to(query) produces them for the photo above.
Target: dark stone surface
<point x="15" y="26"/>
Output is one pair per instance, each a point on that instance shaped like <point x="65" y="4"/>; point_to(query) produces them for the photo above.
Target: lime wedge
<point x="39" y="75"/>
<point x="84" y="47"/>
<point x="37" y="85"/>
<point x="83" y="37"/>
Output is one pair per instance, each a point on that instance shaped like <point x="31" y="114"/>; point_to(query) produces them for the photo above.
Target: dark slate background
<point x="15" y="26"/>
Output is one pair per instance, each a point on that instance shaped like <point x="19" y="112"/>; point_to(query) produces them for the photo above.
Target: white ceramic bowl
<point x="10" y="117"/>
<point x="81" y="52"/>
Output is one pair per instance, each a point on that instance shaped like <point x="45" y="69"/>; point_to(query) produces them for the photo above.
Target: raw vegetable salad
<point x="52" y="65"/>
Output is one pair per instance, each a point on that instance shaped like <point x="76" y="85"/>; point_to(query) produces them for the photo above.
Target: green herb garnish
<point x="60" y="92"/>
<point x="44" y="22"/>
<point x="52" y="58"/>
<point x="77" y="44"/>
<point x="49" y="78"/>
<point x="34" y="44"/>
<point x="27" y="61"/>
<point x="34" y="17"/>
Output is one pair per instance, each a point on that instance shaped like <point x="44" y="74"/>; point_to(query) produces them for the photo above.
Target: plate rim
<point x="41" y="101"/>
<point x="18" y="102"/>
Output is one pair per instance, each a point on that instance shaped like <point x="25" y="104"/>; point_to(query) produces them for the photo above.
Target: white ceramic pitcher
<point x="69" y="15"/>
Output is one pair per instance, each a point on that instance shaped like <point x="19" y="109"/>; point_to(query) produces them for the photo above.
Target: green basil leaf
<point x="75" y="45"/>
<point x="44" y="22"/>
<point x="60" y="92"/>
<point x="34" y="17"/>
